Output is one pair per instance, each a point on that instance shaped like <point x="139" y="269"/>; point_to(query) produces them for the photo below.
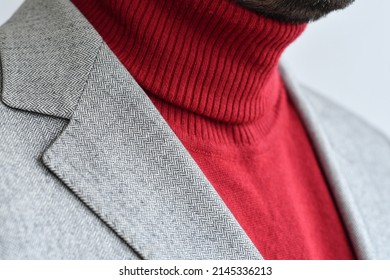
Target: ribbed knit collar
<point x="211" y="59"/>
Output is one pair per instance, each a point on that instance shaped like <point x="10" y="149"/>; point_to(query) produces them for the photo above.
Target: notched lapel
<point x="121" y="158"/>
<point x="47" y="50"/>
<point x="117" y="153"/>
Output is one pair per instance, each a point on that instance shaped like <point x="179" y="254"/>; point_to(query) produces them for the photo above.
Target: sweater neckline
<point x="209" y="66"/>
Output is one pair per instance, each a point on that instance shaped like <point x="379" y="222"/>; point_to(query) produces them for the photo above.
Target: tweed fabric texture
<point x="47" y="49"/>
<point x="114" y="182"/>
<point x="128" y="166"/>
<point x="39" y="217"/>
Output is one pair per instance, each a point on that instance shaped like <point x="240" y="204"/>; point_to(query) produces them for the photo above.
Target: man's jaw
<point x="294" y="11"/>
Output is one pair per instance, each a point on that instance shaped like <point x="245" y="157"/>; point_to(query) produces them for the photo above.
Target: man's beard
<point x="294" y="10"/>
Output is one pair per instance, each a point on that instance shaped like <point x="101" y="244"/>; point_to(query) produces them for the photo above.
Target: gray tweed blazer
<point x="90" y="170"/>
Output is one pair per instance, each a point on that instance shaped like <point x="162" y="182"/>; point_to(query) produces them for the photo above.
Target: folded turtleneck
<point x="214" y="61"/>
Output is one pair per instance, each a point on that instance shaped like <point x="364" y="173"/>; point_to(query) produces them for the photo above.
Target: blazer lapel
<point x="47" y="49"/>
<point x="117" y="154"/>
<point x="121" y="158"/>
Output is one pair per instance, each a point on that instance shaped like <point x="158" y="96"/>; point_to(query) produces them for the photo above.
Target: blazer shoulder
<point x="362" y="160"/>
<point x="341" y="124"/>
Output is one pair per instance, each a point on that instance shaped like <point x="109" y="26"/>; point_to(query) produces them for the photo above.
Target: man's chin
<point x="323" y="8"/>
<point x="297" y="11"/>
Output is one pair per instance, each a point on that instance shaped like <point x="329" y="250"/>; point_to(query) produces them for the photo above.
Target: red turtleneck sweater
<point x="210" y="68"/>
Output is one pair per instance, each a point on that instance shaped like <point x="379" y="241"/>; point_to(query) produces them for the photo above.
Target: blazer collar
<point x="47" y="51"/>
<point x="117" y="154"/>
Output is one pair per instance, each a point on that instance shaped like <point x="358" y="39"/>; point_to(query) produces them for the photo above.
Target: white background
<point x="281" y="270"/>
<point x="345" y="56"/>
